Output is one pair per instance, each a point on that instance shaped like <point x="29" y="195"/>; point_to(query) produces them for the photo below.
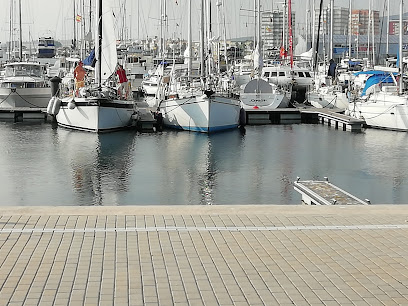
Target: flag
<point x="78" y="18"/>
<point x="282" y="52"/>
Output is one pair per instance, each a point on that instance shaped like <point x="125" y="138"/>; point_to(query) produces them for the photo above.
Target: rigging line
<point x="26" y="100"/>
<point x="5" y="98"/>
<point x="334" y="99"/>
<point x="382" y="113"/>
<point x="179" y="105"/>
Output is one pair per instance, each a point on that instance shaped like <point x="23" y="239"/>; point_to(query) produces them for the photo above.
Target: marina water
<point x="45" y="165"/>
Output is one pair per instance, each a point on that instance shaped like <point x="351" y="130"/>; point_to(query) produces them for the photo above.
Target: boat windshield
<point x="23" y="70"/>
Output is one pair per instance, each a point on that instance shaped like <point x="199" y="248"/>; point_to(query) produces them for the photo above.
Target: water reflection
<point x="384" y="157"/>
<point x="181" y="167"/>
<point x="99" y="164"/>
<point x="41" y="165"/>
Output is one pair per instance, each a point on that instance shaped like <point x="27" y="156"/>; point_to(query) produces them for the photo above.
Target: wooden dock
<point x="325" y="193"/>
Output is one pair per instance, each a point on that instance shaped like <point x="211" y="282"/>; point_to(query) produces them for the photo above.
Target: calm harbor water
<point x="45" y="165"/>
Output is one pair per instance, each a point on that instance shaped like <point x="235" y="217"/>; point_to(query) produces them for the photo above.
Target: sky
<point x="56" y="17"/>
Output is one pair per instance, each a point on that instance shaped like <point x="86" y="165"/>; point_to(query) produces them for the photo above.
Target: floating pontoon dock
<point x="333" y="117"/>
<point x="325" y="193"/>
<point x="19" y="114"/>
<point x="337" y="119"/>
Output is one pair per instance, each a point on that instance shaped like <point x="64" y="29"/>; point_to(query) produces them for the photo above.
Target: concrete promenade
<point x="204" y="255"/>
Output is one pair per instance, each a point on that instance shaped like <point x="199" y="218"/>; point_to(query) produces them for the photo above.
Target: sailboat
<point x="386" y="105"/>
<point x="199" y="106"/>
<point x="98" y="108"/>
<point x="258" y="93"/>
<point x="327" y="91"/>
<point x="24" y="83"/>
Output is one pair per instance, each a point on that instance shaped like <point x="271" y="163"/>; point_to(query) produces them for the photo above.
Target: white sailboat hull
<point x="25" y="97"/>
<point x="382" y="111"/>
<point x="201" y="113"/>
<point x="263" y="100"/>
<point x="328" y="100"/>
<point x="96" y="115"/>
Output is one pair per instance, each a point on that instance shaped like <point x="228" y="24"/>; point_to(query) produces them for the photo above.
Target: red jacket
<point x="122" y="75"/>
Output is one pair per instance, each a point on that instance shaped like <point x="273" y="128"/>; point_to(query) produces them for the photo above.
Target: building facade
<point x="362" y="22"/>
<point x="275" y="29"/>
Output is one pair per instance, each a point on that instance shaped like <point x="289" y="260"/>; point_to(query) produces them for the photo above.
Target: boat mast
<point x="318" y="35"/>
<point x="313" y="30"/>
<point x="189" y="43"/>
<point x="307" y="24"/>
<point x="209" y="37"/>
<point x="388" y="27"/>
<point x="373" y="33"/>
<point x="218" y="5"/>
<point x="98" y="44"/>
<point x="202" y="47"/>
<point x="368" y="30"/>
<point x="290" y="33"/>
<point x="401" y="84"/>
<point x="350" y="29"/>
<point x="331" y="28"/>
<point x="225" y="35"/>
<point x="74" y="41"/>
<point x="21" y="32"/>
<point x="255" y="32"/>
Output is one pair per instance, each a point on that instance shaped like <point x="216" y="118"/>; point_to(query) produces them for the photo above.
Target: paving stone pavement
<point x="204" y="255"/>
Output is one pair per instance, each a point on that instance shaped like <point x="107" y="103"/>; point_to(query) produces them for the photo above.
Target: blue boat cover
<point x="375" y="78"/>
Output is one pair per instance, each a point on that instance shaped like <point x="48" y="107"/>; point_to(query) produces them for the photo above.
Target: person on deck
<point x="332" y="69"/>
<point x="123" y="82"/>
<point x="79" y="76"/>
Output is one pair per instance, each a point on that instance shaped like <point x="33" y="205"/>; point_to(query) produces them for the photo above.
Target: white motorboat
<point x="46" y="47"/>
<point x="259" y="94"/>
<point x="24" y="85"/>
<point x="98" y="107"/>
<point x="301" y="78"/>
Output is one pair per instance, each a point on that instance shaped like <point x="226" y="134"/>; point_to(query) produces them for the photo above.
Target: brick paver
<point x="217" y="255"/>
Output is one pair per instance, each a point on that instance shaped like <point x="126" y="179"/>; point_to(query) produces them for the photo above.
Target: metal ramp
<point x="325" y="193"/>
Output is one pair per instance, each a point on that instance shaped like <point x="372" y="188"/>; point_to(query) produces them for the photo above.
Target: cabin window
<point x="274" y="74"/>
<point x="281" y="73"/>
<point x="301" y="74"/>
<point x="267" y="74"/>
<point x="308" y="74"/>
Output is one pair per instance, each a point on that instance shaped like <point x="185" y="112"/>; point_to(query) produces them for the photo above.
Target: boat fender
<point x="242" y="117"/>
<point x="56" y="107"/>
<point x="71" y="104"/>
<point x="50" y="105"/>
